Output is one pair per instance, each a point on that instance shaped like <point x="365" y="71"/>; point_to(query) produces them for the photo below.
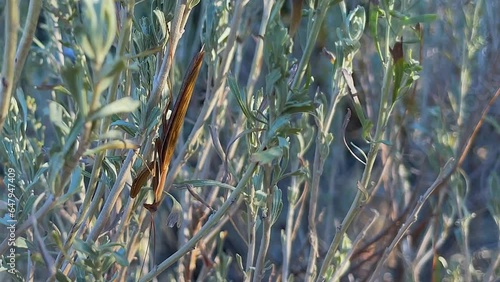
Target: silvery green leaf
<point x="123" y="105"/>
<point x="192" y="4"/>
<point x="239" y="261"/>
<point x="108" y="17"/>
<point x="56" y="113"/>
<point x="271" y="80"/>
<point x="355" y="23"/>
<point x="113" y="145"/>
<point x="175" y="215"/>
<point x="111" y="70"/>
<point x="126" y="126"/>
<point x="277" y="204"/>
<point x="160" y="17"/>
<point x="267" y="156"/>
<point x="279" y="123"/>
<point x="283" y="142"/>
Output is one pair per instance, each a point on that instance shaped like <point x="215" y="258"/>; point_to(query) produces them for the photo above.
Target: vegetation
<point x="323" y="140"/>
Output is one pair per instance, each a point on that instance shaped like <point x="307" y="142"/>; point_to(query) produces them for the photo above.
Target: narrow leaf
<point x="123" y="105"/>
<point x="240" y="99"/>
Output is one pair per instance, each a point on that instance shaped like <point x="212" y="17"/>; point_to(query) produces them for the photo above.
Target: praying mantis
<point x="169" y="133"/>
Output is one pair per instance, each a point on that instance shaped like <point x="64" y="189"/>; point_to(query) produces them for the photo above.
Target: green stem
<point x="266" y="226"/>
<point x="34" y="9"/>
<point x="359" y="199"/>
<point x="251" y="231"/>
<point x="8" y="68"/>
<point x="319" y="161"/>
<point x="160" y="79"/>
<point x="311" y="41"/>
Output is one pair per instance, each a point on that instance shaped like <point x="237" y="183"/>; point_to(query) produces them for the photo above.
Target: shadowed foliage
<point x="313" y="140"/>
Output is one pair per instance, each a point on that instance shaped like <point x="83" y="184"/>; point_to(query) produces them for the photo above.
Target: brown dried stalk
<point x="170" y="131"/>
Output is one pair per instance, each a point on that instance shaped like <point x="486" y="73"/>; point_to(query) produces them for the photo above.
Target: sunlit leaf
<point x="123" y="105"/>
<point x="113" y="145"/>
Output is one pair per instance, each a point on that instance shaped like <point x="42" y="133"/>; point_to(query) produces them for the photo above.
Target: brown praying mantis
<point x="169" y="133"/>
